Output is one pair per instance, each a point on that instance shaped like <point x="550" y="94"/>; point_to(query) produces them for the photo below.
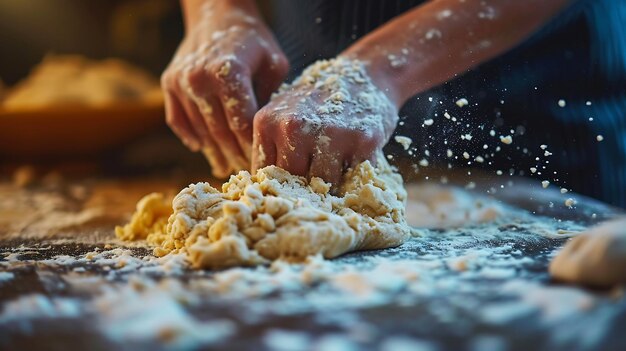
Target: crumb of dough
<point x="404" y="141"/>
<point x="599" y="138"/>
<point x="506" y="139"/>
<point x="272" y="215"/>
<point x="429" y="122"/>
<point x="562" y="103"/>
<point x="149" y="220"/>
<point x="597" y="257"/>
<point x="545" y="184"/>
<point x="569" y="202"/>
<point x="231" y="103"/>
<point x="462" y="102"/>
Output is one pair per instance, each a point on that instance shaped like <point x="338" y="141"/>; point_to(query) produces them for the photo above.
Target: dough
<point x="149" y="220"/>
<point x="597" y="257"/>
<point x="273" y="215"/>
<point x="76" y="80"/>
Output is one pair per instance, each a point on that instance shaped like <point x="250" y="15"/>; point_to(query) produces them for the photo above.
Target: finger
<point x="195" y="120"/>
<point x="219" y="166"/>
<point x="269" y="76"/>
<point x="263" y="147"/>
<point x="211" y="148"/>
<point x="327" y="164"/>
<point x="368" y="148"/>
<point x="224" y="137"/>
<point x="208" y="114"/>
<point x="294" y="158"/>
<point x="176" y="119"/>
<point x="239" y="105"/>
<point x="361" y="156"/>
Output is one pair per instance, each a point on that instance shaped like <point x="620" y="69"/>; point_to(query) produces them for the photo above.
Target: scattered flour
<point x="404" y="141"/>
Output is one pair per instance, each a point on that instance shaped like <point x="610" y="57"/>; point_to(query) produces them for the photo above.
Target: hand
<point x="226" y="55"/>
<point x="330" y="118"/>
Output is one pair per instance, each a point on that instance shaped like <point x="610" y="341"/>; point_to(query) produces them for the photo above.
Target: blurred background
<point x="143" y="32"/>
<point x="578" y="58"/>
<point x="129" y="140"/>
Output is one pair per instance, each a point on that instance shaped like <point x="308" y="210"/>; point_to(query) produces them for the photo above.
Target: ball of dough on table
<point x="597" y="257"/>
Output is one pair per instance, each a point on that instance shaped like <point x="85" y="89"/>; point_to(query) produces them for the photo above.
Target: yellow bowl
<point x="66" y="131"/>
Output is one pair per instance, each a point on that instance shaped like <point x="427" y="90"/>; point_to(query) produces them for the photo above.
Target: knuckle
<point x="369" y="141"/>
<point x="262" y="119"/>
<point x="197" y="79"/>
<point x="225" y="67"/>
<point x="167" y="80"/>
<point x="290" y="125"/>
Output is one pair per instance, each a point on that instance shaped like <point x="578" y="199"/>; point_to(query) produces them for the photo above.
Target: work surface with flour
<point x="481" y="287"/>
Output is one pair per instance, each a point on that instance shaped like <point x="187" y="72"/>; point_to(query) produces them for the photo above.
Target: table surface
<point x="68" y="284"/>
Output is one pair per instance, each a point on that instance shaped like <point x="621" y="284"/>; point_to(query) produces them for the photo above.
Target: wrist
<point x="196" y="12"/>
<point x="378" y="69"/>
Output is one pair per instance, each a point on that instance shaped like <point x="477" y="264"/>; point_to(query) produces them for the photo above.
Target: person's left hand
<point x="330" y="118"/>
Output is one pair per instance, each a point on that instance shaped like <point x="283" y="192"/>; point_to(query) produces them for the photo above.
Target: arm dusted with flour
<point x="340" y="113"/>
<point x="442" y="38"/>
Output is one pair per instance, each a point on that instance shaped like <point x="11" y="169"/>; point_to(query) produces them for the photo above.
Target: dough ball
<point x="597" y="257"/>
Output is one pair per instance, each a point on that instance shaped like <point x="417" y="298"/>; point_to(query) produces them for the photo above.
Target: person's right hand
<point x="227" y="55"/>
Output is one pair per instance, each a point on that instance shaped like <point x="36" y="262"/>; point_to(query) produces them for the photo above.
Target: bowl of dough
<point x="70" y="105"/>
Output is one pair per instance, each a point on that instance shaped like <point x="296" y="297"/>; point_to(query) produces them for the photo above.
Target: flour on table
<point x="436" y="206"/>
<point x="274" y="215"/>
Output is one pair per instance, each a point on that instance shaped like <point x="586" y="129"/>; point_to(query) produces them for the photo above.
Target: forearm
<point x="195" y="11"/>
<point x="440" y="39"/>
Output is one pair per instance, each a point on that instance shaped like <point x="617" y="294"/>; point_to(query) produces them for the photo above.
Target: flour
<point x="280" y="340"/>
<point x="342" y="86"/>
<point x="404" y="141"/>
<point x="39" y="306"/>
<point x="462" y="102"/>
<point x="6" y="277"/>
<point x="506" y="139"/>
<point x="137" y="307"/>
<point x="145" y="311"/>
